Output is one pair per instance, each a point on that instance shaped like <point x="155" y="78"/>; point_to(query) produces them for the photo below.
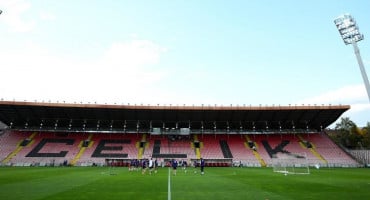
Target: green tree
<point x="366" y="136"/>
<point x="345" y="124"/>
<point x="349" y="134"/>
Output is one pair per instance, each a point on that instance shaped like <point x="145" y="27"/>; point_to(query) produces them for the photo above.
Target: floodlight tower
<point x="350" y="34"/>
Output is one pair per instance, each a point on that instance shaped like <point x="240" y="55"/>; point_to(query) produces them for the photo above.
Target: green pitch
<point x="104" y="183"/>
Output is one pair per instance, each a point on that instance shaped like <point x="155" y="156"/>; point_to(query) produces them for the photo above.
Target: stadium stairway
<point x="312" y="149"/>
<point x="255" y="151"/>
<point x="141" y="147"/>
<point x="19" y="148"/>
<point x="82" y="149"/>
<point x="197" y="149"/>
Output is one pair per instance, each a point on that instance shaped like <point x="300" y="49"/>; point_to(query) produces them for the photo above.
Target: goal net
<point x="290" y="163"/>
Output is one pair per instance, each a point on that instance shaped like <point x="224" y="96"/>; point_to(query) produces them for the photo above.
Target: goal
<point x="290" y="163"/>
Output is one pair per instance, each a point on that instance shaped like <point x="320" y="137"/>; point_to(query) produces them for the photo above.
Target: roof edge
<point x="177" y="107"/>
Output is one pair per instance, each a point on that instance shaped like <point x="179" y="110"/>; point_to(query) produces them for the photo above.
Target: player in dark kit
<point x="155" y="166"/>
<point x="132" y="165"/>
<point x="144" y="164"/>
<point x="174" y="166"/>
<point x="184" y="164"/>
<point x="202" y="164"/>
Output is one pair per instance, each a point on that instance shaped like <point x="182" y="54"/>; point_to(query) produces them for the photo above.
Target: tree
<point x="349" y="134"/>
<point x="345" y="124"/>
<point x="366" y="136"/>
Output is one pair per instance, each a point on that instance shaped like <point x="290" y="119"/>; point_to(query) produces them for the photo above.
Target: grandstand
<point x="49" y="134"/>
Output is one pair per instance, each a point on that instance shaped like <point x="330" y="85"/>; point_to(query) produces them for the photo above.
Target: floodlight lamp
<point x="348" y="29"/>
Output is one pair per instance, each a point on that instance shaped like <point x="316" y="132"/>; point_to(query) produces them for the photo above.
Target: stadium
<point x="234" y="141"/>
<point x="84" y="134"/>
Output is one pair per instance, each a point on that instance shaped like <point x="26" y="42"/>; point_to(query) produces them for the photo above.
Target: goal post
<point x="290" y="163"/>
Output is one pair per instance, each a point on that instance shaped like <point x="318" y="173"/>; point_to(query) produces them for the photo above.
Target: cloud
<point x="344" y="95"/>
<point x="353" y="95"/>
<point x="12" y="15"/>
<point x="359" y="113"/>
<point x="124" y="72"/>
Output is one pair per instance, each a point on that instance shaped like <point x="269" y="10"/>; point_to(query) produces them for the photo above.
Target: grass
<point x="217" y="183"/>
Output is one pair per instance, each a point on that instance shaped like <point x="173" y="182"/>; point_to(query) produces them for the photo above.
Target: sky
<point x="192" y="52"/>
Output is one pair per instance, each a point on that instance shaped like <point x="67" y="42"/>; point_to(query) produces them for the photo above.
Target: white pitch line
<point x="169" y="184"/>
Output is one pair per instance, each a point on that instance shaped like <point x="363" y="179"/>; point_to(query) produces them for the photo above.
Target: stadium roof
<point x="141" y="118"/>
